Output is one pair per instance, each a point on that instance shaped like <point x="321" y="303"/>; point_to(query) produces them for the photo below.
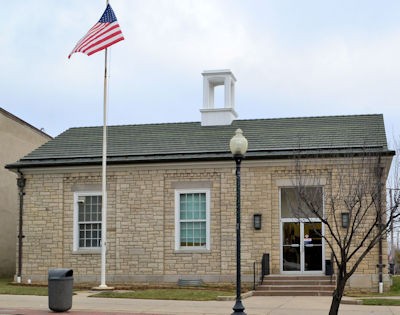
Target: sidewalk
<point x="82" y="304"/>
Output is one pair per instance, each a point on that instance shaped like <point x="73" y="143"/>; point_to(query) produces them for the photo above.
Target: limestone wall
<point x="141" y="221"/>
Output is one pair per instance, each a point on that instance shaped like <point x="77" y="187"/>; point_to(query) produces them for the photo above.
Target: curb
<point x="232" y="298"/>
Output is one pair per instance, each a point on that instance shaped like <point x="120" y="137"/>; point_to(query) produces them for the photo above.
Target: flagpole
<point x="108" y="31"/>
<point x="104" y="182"/>
<point x="103" y="284"/>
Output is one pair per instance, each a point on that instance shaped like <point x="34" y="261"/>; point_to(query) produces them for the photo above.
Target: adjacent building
<point x="17" y="138"/>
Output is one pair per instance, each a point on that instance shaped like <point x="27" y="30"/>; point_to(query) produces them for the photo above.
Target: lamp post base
<point x="238" y="308"/>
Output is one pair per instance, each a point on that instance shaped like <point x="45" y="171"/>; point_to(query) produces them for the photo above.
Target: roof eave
<point x="217" y="156"/>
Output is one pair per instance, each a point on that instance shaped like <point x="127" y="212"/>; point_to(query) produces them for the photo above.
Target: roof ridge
<point x="236" y="120"/>
<point x="310" y="117"/>
<point x="138" y="124"/>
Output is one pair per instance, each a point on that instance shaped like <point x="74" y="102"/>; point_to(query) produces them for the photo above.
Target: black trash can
<point x="265" y="264"/>
<point x="391" y="268"/>
<point x="328" y="267"/>
<point x="60" y="289"/>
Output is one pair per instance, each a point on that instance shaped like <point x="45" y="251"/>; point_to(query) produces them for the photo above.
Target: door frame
<point x="301" y="221"/>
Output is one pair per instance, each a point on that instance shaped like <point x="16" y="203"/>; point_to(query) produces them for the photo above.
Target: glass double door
<point x="302" y="247"/>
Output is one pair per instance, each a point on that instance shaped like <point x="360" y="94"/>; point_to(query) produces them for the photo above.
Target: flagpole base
<point x="103" y="287"/>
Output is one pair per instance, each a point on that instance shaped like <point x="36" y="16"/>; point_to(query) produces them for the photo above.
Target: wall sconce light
<point x="345" y="219"/>
<point x="257" y="221"/>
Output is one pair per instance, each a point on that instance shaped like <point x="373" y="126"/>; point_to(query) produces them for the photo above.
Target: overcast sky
<point x="291" y="58"/>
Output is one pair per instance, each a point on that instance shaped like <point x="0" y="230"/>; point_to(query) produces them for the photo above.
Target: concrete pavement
<point x="83" y="304"/>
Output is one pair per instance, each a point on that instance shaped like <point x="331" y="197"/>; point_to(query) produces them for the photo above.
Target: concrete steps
<point x="295" y="286"/>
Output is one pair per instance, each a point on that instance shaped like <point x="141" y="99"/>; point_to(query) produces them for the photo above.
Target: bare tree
<point x="353" y="210"/>
<point x="393" y="192"/>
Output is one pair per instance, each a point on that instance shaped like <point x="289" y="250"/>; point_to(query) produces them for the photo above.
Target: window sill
<point x="87" y="251"/>
<point x="192" y="251"/>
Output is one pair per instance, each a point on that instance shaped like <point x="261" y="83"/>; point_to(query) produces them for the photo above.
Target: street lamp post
<point x="238" y="146"/>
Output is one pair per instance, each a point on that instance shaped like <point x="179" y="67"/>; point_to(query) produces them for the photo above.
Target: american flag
<point x="104" y="33"/>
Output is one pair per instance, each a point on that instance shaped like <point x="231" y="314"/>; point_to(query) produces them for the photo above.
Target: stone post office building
<point x="172" y="195"/>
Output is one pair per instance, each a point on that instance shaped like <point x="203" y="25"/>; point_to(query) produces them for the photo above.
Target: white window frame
<point x="178" y="246"/>
<point x="76" y="247"/>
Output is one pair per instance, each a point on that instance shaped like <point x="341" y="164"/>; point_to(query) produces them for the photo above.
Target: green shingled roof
<point x="191" y="141"/>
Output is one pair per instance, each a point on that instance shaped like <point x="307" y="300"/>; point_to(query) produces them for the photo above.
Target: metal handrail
<point x="254" y="274"/>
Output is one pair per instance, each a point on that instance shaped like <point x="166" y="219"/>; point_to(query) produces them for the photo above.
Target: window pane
<point x="183" y="232"/>
<point x="295" y="201"/>
<point x="203" y="210"/>
<point x="81" y="211"/>
<point x="196" y="201"/>
<point x="189" y="202"/>
<point x="182" y="198"/>
<point x="203" y="233"/>
<point x="196" y="231"/>
<point x="183" y="215"/>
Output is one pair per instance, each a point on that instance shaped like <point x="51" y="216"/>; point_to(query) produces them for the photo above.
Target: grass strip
<point x="394" y="290"/>
<point x="382" y="302"/>
<point x="7" y="287"/>
<point x="168" y="294"/>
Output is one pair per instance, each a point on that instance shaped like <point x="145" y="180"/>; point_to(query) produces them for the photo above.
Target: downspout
<point x="380" y="226"/>
<point x="21" y="185"/>
<point x="380" y="272"/>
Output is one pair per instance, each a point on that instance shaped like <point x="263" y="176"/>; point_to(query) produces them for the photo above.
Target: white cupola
<point x="211" y="116"/>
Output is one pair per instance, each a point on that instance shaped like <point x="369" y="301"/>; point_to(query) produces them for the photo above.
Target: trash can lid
<point x="59" y="273"/>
